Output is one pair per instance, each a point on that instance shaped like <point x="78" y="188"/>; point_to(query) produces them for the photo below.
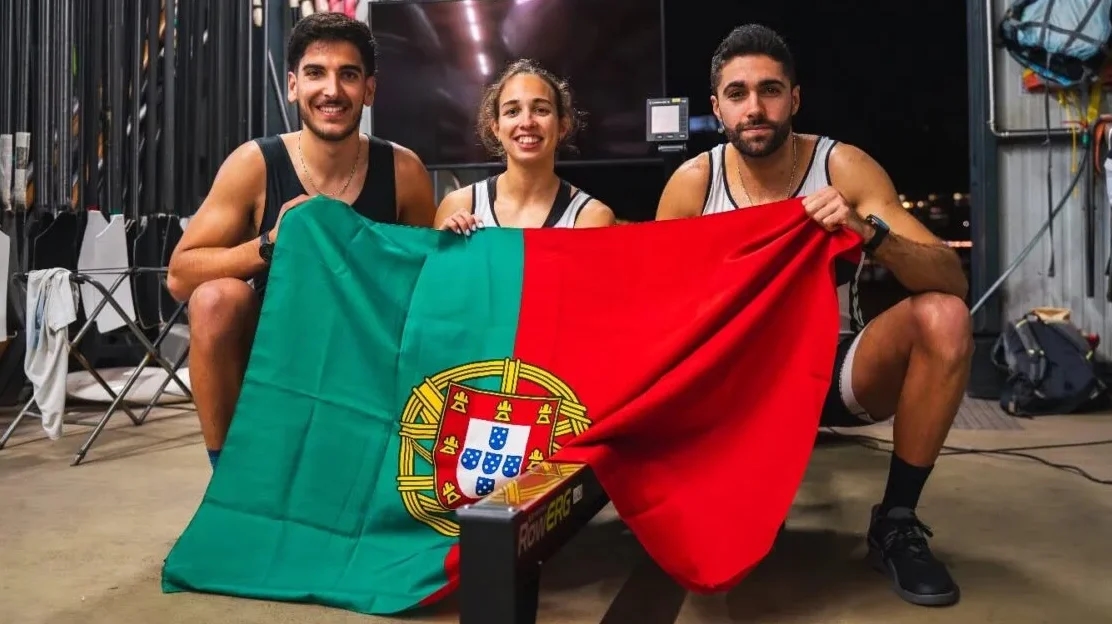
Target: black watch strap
<point x="880" y="232"/>
<point x="266" y="248"/>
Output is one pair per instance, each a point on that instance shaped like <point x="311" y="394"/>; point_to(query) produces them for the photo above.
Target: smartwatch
<point x="266" y="248"/>
<point x="880" y="232"/>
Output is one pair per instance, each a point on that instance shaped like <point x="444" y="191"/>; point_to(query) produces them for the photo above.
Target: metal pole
<point x="983" y="170"/>
<point x="151" y="149"/>
<point x="93" y="105"/>
<point x="7" y="40"/>
<point x="217" y="28"/>
<point x="134" y="124"/>
<point x="170" y="120"/>
<point x="264" y="107"/>
<point x="65" y="99"/>
<point x="116" y="115"/>
<point x="248" y="33"/>
<point x="41" y="135"/>
<point x="82" y="36"/>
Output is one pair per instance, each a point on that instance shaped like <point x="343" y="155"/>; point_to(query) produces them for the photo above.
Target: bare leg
<point x="223" y="315"/>
<point x="913" y="362"/>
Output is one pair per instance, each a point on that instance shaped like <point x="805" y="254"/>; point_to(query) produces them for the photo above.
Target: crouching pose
<point x="911" y="361"/>
<point x="221" y="264"/>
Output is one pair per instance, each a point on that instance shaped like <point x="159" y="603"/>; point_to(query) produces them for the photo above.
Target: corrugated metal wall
<point x="1024" y="208"/>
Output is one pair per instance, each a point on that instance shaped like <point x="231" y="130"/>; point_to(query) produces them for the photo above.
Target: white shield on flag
<point x="493" y="453"/>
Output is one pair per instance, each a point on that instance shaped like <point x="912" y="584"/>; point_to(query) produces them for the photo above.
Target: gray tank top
<point x="816" y="175"/>
<point x="565" y="208"/>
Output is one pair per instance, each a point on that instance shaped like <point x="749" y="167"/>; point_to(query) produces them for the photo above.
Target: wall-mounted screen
<point x="437" y="56"/>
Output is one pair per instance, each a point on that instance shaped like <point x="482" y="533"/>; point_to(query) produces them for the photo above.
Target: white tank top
<point x="565" y="209"/>
<point x="816" y="176"/>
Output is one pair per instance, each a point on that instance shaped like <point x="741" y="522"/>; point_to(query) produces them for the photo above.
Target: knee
<point x="943" y="325"/>
<point x="221" y="310"/>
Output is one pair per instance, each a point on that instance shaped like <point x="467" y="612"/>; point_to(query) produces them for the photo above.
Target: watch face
<point x="877" y="223"/>
<point x="880" y="231"/>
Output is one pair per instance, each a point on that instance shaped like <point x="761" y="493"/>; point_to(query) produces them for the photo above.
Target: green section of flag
<point x="305" y="503"/>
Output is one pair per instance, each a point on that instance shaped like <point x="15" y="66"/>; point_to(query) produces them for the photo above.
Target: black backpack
<point x="1049" y="365"/>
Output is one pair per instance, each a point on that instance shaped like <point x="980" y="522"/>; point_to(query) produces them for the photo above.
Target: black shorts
<point x="835" y="413"/>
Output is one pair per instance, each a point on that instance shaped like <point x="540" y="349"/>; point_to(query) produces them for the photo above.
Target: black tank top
<point x="377" y="200"/>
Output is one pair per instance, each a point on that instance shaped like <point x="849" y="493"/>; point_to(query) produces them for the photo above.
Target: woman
<point x="525" y="116"/>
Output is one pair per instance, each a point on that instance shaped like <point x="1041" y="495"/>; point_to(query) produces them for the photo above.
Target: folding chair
<point x="152" y="353"/>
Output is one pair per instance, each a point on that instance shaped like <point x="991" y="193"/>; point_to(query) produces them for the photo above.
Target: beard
<point x="758" y="148"/>
<point x="326" y="134"/>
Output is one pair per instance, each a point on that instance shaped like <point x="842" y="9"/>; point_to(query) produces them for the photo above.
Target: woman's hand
<point x="462" y="222"/>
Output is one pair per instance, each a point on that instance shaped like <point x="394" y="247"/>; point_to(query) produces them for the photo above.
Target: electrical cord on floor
<point x="874" y="443"/>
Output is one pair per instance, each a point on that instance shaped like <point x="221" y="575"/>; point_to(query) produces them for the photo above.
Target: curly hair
<point x="488" y="109"/>
<point x="749" y="40"/>
<point x="331" y="27"/>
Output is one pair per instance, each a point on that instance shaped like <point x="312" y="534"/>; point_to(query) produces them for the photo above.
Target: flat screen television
<point x="436" y="56"/>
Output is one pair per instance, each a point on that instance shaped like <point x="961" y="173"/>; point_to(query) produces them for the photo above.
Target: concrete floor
<point x="1027" y="543"/>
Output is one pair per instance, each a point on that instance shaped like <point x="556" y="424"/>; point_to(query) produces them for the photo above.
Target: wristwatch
<point x="266" y="248"/>
<point x="880" y="232"/>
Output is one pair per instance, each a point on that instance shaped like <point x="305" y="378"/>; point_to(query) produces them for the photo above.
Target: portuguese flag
<point x="399" y="373"/>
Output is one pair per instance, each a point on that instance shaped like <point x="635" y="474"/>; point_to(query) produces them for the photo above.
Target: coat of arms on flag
<point x="461" y="442"/>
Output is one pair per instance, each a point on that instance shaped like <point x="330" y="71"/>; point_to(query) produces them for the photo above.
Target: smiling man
<point x="912" y="360"/>
<point x="221" y="264"/>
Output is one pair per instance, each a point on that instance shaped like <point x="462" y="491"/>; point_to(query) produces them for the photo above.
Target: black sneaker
<point x="898" y="548"/>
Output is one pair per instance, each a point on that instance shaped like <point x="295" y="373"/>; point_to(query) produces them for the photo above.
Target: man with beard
<point x="912" y="360"/>
<point x="221" y="264"/>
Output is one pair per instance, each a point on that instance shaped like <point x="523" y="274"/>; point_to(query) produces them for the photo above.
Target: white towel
<point x="51" y="307"/>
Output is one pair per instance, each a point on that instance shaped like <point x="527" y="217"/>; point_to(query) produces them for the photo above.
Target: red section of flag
<point x="702" y="350"/>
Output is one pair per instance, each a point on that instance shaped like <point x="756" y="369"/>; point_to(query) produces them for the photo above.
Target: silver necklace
<point x="791" y="179"/>
<point x="305" y="168"/>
